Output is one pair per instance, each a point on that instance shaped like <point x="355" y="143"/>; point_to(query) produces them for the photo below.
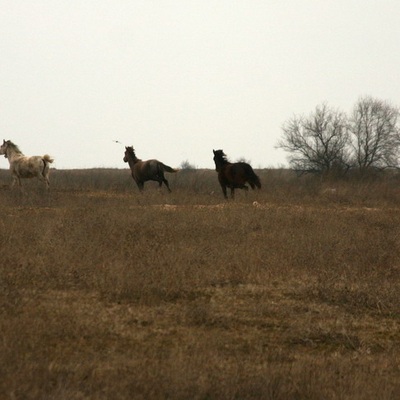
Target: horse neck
<point x="13" y="155"/>
<point x="220" y="163"/>
<point x="132" y="160"/>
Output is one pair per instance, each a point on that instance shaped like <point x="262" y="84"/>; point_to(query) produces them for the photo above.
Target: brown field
<point x="287" y="293"/>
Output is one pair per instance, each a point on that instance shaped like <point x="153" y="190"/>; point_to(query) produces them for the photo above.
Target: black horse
<point x="234" y="175"/>
<point x="150" y="170"/>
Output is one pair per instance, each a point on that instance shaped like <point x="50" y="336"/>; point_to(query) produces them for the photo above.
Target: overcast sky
<point x="179" y="78"/>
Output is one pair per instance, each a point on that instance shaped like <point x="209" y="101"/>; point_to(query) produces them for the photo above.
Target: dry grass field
<point x="287" y="293"/>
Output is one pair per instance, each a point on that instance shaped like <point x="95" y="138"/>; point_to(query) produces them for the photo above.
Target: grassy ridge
<point x="287" y="293"/>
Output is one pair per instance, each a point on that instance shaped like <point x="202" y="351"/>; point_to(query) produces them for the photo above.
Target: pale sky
<point x="179" y="78"/>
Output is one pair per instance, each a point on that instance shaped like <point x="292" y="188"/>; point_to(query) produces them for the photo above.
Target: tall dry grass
<point x="289" y="293"/>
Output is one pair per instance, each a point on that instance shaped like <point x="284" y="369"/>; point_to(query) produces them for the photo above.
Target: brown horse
<point x="234" y="175"/>
<point x="150" y="170"/>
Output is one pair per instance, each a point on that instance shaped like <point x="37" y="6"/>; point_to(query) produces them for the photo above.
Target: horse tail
<point x="166" y="168"/>
<point x="252" y="177"/>
<point x="257" y="181"/>
<point x="47" y="159"/>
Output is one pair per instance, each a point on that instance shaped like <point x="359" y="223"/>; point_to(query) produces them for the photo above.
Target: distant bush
<point x="187" y="166"/>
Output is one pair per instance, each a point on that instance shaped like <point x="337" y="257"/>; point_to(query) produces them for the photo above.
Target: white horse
<point x="22" y="166"/>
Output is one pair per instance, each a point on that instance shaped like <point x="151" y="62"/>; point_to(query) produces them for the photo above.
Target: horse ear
<point x="213" y="151"/>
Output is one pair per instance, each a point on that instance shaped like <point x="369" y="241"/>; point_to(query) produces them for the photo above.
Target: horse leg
<point x="223" y="187"/>
<point x="166" y="184"/>
<point x="161" y="179"/>
<point x="232" y="192"/>
<point x="47" y="182"/>
<point x="140" y="185"/>
<point x="16" y="181"/>
<point x="45" y="179"/>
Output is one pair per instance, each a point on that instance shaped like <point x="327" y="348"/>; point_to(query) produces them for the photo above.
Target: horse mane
<point x="13" y="146"/>
<point x="221" y="156"/>
<point x="131" y="151"/>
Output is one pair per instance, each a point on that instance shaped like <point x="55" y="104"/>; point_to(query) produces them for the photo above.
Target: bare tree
<point x="317" y="143"/>
<point x="374" y="125"/>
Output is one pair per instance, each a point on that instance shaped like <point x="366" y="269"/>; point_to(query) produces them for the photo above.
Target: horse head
<point x="129" y="153"/>
<point x="219" y="158"/>
<point x="3" y="148"/>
